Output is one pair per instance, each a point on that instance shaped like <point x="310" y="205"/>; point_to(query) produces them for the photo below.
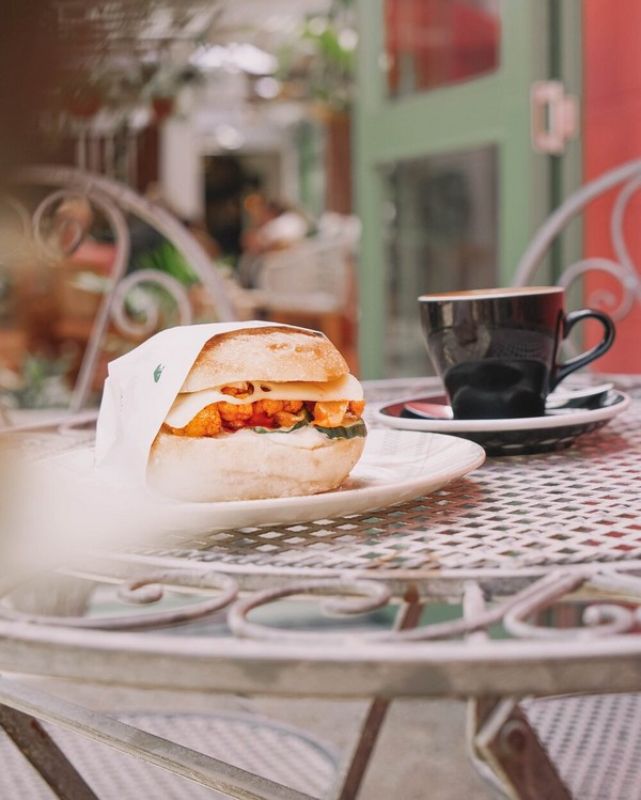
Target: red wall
<point x="611" y="136"/>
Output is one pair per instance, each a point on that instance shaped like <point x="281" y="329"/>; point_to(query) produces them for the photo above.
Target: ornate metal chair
<point x="311" y="279"/>
<point x="580" y="747"/>
<point x="114" y="202"/>
<point x="622" y="268"/>
<point x="266" y="753"/>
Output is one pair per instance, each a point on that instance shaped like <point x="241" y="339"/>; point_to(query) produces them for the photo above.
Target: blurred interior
<point x="333" y="159"/>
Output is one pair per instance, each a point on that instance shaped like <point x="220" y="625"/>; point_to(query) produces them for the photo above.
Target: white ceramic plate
<point x="396" y="466"/>
<point x="508" y="436"/>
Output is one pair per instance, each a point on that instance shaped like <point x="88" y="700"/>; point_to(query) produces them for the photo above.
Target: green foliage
<point x="43" y="383"/>
<point x="319" y="60"/>
<point x="166" y="258"/>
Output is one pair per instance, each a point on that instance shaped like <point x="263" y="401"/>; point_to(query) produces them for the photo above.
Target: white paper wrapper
<point x="140" y="389"/>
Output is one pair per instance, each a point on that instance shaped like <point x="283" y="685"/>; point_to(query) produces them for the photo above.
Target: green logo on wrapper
<point x="158" y="372"/>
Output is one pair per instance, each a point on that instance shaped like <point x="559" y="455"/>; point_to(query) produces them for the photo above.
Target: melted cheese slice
<point x="188" y="404"/>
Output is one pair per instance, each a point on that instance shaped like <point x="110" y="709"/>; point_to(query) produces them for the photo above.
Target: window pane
<point x="441" y="235"/>
<point x="433" y="43"/>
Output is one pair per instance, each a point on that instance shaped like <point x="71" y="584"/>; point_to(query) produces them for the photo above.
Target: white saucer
<point x="553" y="431"/>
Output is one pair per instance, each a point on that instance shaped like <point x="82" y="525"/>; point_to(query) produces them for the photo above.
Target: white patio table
<point x="517" y="549"/>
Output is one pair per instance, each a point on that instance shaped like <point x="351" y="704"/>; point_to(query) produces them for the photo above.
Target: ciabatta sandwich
<point x="264" y="412"/>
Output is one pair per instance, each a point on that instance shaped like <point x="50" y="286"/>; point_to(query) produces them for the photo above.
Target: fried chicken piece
<point x="235" y="416"/>
<point x="330" y="414"/>
<point x="292" y="413"/>
<point x="218" y="417"/>
<point x="268" y="408"/>
<point x="285" y="419"/>
<point x="207" y="422"/>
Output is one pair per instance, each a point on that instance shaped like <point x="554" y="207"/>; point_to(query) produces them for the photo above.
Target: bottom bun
<point x="250" y="466"/>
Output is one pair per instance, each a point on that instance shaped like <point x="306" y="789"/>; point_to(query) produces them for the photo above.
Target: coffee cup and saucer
<point x="496" y="352"/>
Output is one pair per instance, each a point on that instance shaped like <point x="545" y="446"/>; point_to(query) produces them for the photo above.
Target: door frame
<point x="493" y="109"/>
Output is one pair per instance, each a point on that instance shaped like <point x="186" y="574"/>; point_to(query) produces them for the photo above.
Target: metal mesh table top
<point x="516" y="515"/>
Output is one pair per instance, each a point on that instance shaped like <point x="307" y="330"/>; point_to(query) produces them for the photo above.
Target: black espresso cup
<point x="497" y="350"/>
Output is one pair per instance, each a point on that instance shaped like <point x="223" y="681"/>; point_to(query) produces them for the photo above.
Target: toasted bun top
<point x="269" y="354"/>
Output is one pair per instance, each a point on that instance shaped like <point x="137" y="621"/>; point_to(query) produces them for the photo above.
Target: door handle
<point x="554" y="117"/>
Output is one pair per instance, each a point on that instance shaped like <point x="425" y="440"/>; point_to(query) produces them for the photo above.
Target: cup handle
<point x="569" y="321"/>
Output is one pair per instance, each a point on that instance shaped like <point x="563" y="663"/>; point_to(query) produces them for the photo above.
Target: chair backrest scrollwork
<point x="621" y="267"/>
<point x="114" y="202"/>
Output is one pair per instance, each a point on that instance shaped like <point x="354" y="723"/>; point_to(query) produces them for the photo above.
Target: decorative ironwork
<point x="148" y="304"/>
<point x="601" y="618"/>
<point x="526" y="546"/>
<point x="129" y="202"/>
<point x="113" y="201"/>
<point x="622" y="268"/>
<point x="370" y="596"/>
<point x="145" y="590"/>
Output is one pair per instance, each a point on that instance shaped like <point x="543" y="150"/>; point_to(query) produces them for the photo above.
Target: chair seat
<point x="594" y="742"/>
<point x="269" y="749"/>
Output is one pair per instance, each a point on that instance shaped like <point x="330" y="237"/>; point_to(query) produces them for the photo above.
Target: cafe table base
<point x="281" y="752"/>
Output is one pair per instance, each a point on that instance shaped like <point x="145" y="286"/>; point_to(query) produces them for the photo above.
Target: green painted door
<point x="448" y="184"/>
